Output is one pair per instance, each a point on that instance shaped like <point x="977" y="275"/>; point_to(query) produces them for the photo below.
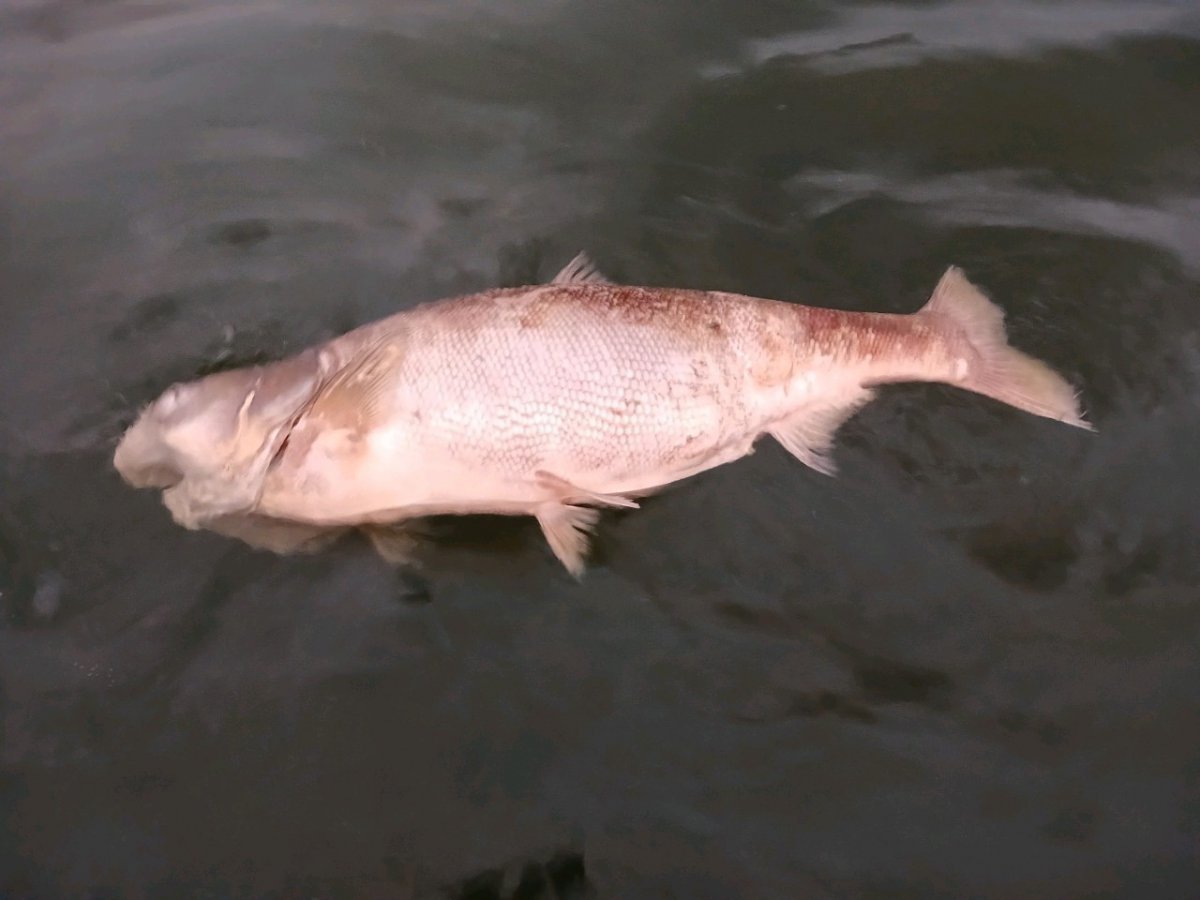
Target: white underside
<point x="390" y="482"/>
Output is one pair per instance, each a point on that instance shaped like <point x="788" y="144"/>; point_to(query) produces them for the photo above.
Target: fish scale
<point x="582" y="391"/>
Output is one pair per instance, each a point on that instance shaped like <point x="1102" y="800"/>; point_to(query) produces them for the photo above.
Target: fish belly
<point x="382" y="477"/>
<point x="507" y="449"/>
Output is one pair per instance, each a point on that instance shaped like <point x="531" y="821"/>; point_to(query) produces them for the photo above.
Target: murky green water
<point x="966" y="667"/>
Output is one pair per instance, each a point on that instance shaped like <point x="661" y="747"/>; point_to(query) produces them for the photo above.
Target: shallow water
<point x="965" y="667"/>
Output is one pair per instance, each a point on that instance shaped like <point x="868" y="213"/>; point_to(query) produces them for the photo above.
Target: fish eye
<point x="170" y="399"/>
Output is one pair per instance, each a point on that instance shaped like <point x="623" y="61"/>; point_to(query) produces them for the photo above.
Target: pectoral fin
<point x="275" y="535"/>
<point x="355" y="396"/>
<point x="566" y="529"/>
<point x="809" y="434"/>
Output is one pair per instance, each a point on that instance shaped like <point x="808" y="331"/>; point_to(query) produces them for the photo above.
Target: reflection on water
<point x="965" y="667"/>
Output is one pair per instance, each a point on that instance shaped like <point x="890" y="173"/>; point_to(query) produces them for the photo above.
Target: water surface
<point x="965" y="667"/>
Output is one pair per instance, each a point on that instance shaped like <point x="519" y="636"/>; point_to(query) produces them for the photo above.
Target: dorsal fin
<point x="580" y="270"/>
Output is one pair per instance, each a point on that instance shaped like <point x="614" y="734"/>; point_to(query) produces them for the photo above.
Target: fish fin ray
<point x="276" y="535"/>
<point x="567" y="529"/>
<point x="356" y="393"/>
<point x="809" y="434"/>
<point x="580" y="270"/>
<point x="955" y="298"/>
<point x="395" y="543"/>
<point x="566" y="492"/>
<point x="1001" y="371"/>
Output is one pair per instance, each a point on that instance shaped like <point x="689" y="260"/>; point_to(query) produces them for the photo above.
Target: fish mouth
<point x="153" y="477"/>
<point x="140" y="463"/>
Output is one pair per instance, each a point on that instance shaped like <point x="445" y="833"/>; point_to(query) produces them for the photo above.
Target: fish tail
<point x="999" y="370"/>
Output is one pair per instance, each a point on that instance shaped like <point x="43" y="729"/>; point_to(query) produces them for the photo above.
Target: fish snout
<point x="142" y="460"/>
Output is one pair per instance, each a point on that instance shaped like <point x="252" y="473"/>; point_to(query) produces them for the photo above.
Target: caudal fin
<point x="1002" y="372"/>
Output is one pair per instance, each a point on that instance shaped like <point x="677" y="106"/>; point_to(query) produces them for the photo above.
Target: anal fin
<point x="809" y="434"/>
<point x="566" y="529"/>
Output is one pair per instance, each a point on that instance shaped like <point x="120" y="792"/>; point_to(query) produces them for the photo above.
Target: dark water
<point x="967" y="667"/>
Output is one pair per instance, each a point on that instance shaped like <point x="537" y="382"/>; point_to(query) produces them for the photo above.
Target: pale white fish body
<point x="554" y="399"/>
<point x="492" y="408"/>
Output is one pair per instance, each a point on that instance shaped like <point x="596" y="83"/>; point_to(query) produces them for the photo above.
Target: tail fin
<point x="1003" y="373"/>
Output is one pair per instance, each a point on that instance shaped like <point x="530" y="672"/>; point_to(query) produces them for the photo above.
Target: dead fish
<point x="550" y="400"/>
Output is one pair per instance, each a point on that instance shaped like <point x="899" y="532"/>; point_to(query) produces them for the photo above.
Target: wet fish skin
<point x="208" y="443"/>
<point x="553" y="399"/>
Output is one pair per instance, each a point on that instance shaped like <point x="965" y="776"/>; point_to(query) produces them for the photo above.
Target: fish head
<point x="210" y="441"/>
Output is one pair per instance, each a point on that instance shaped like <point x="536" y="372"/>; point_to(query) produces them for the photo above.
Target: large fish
<point x="549" y="400"/>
